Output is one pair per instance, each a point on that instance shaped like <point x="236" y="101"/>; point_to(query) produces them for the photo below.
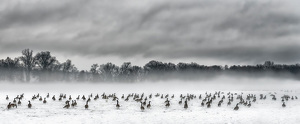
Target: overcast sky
<point x="203" y="31"/>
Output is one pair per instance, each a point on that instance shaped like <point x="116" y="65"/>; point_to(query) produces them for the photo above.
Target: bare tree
<point x="109" y="71"/>
<point x="125" y="71"/>
<point x="12" y="69"/>
<point x="94" y="71"/>
<point x="67" y="66"/>
<point x="28" y="61"/>
<point x="44" y="60"/>
<point x="47" y="63"/>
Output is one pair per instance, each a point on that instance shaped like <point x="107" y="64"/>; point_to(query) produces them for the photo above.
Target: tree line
<point x="43" y="67"/>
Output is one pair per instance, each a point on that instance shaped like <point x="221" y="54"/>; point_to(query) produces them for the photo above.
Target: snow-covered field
<point x="105" y="111"/>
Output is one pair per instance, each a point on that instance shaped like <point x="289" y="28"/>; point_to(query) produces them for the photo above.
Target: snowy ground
<point x="104" y="111"/>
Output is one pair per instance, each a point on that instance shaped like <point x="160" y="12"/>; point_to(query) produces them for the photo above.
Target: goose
<point x="19" y="102"/>
<point x="219" y="104"/>
<point x="33" y="97"/>
<point x="75" y="103"/>
<point x="167" y="96"/>
<point x="180" y="102"/>
<point x="149" y="105"/>
<point x="14" y="100"/>
<point x="208" y="105"/>
<point x="145" y="102"/>
<point x="236" y="107"/>
<point x="67" y="101"/>
<point x="70" y="98"/>
<point x="157" y="95"/>
<point x="68" y="105"/>
<point x="53" y="98"/>
<point x="221" y="101"/>
<point x="118" y="106"/>
<point x="202" y="103"/>
<point x="249" y="105"/>
<point x="11" y="105"/>
<point x="44" y="101"/>
<point x="142" y="107"/>
<point x="127" y="98"/>
<point x="7" y="98"/>
<point x="168" y="104"/>
<point x="185" y="104"/>
<point x="208" y="102"/>
<point x="78" y="97"/>
<point x="41" y="98"/>
<point x="29" y="105"/>
<point x="114" y="98"/>
<point x="229" y="103"/>
<point x="274" y="98"/>
<point x="283" y="104"/>
<point x="72" y="104"/>
<point x="167" y="100"/>
<point x="22" y="95"/>
<point x="48" y="95"/>
<point x="86" y="105"/>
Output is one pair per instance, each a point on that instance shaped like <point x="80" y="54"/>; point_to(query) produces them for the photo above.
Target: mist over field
<point x="219" y="83"/>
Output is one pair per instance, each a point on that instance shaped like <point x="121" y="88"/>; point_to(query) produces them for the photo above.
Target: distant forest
<point x="43" y="67"/>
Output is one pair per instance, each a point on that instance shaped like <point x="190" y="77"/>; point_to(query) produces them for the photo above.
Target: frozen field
<point x="105" y="111"/>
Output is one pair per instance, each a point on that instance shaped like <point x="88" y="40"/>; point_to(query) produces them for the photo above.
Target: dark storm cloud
<point x="30" y="14"/>
<point x="234" y="30"/>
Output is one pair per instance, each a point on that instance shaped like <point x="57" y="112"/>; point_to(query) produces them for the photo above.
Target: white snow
<point x="104" y="111"/>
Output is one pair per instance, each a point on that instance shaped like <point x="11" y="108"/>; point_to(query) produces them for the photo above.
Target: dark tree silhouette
<point x="94" y="71"/>
<point x="109" y="71"/>
<point x="28" y="61"/>
<point x="67" y="68"/>
<point x="11" y="69"/>
<point x="82" y="77"/>
<point x="44" y="67"/>
<point x="137" y="74"/>
<point x="44" y="60"/>
<point x="47" y="63"/>
<point x="125" y="72"/>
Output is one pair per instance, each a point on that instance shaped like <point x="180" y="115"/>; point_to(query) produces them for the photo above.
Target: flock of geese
<point x="206" y="100"/>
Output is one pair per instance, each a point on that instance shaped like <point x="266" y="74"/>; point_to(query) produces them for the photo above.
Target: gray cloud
<point x="236" y="31"/>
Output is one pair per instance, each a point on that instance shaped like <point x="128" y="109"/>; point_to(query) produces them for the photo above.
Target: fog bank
<point x="222" y="83"/>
